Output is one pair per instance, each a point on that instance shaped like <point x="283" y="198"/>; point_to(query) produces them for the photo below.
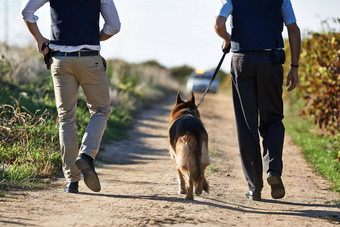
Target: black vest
<point x="75" y="22"/>
<point x="256" y="25"/>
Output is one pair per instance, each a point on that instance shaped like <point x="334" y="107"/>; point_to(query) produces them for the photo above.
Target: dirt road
<point x="139" y="186"/>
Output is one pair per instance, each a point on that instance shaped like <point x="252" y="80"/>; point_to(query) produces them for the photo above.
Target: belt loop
<point x="65" y="55"/>
<point x="79" y="54"/>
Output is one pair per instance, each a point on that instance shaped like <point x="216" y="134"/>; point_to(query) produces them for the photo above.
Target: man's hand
<point x="292" y="78"/>
<point x="42" y="46"/>
<point x="226" y="49"/>
<point x="295" y="48"/>
<point x="226" y="42"/>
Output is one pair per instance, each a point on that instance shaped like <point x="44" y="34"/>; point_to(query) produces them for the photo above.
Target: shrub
<point x="28" y="143"/>
<point x="320" y="79"/>
<point x="319" y="76"/>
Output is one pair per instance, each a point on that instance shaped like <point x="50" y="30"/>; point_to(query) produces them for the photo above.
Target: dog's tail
<point x="192" y="157"/>
<point x="201" y="161"/>
<point x="189" y="149"/>
<point x="198" y="155"/>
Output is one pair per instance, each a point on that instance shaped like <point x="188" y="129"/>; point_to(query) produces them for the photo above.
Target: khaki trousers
<point x="68" y="74"/>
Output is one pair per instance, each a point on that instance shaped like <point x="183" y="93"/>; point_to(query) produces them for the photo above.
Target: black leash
<point x="225" y="51"/>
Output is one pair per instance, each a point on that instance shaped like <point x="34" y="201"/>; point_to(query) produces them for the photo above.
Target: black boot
<point x="275" y="181"/>
<point x="85" y="164"/>
<point x="71" y="187"/>
<point x="253" y="195"/>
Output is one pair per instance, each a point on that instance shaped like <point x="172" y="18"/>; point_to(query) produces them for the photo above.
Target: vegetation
<point x="179" y="71"/>
<point x="317" y="99"/>
<point x="319" y="76"/>
<point x="319" y="149"/>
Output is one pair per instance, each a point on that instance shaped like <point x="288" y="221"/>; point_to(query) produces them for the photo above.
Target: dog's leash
<point x="225" y="51"/>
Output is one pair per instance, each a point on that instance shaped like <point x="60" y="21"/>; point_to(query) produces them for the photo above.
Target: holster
<point x="278" y="56"/>
<point x="48" y="60"/>
<point x="47" y="57"/>
<point x="104" y="62"/>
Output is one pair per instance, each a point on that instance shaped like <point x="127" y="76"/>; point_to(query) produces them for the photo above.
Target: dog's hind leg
<point x="190" y="194"/>
<point x="181" y="182"/>
<point x="199" y="186"/>
<point x="204" y="164"/>
<point x="205" y="185"/>
<point x="202" y="183"/>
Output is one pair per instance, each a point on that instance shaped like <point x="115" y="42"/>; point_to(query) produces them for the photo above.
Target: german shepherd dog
<point x="188" y="147"/>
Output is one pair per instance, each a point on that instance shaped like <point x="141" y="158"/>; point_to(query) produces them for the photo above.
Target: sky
<point x="172" y="32"/>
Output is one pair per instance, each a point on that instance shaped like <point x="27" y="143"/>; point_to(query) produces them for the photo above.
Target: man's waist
<point x="64" y="48"/>
<point x="80" y="53"/>
<point x="258" y="51"/>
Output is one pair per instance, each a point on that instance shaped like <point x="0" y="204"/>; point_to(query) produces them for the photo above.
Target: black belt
<point x="258" y="51"/>
<point x="75" y="54"/>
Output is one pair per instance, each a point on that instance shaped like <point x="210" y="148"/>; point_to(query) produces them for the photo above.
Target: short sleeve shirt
<point x="226" y="8"/>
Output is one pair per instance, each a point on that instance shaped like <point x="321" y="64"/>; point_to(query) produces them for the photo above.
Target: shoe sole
<point x="278" y="190"/>
<point x="90" y="177"/>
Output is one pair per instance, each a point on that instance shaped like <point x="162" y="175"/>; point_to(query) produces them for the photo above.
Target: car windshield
<point x="205" y="76"/>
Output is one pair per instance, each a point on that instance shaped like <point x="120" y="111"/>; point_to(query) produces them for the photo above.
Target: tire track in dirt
<point x="139" y="187"/>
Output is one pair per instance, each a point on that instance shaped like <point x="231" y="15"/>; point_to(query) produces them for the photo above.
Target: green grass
<point x="7" y="187"/>
<point x="320" y="150"/>
<point x="212" y="168"/>
<point x="214" y="153"/>
<point x="28" y="146"/>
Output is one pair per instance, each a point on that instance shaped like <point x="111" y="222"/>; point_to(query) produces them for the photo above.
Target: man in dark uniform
<point x="257" y="77"/>
<point x="76" y="61"/>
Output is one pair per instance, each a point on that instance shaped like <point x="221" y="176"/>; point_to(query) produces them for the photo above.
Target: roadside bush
<point x="28" y="143"/>
<point x="181" y="73"/>
<point x="317" y="99"/>
<point x="319" y="77"/>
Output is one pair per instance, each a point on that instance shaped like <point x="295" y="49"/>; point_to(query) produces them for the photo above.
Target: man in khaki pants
<point x="76" y="61"/>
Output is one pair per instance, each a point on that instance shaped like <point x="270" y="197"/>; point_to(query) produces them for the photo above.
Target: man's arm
<point x="295" y="48"/>
<point x="111" y="18"/>
<point x="39" y="38"/>
<point x="103" y="36"/>
<point x="28" y="10"/>
<point x="221" y="30"/>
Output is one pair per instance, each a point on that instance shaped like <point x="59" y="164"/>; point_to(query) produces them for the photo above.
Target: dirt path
<point x="140" y="188"/>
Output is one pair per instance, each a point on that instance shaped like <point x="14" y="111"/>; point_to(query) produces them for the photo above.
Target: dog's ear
<point x="178" y="99"/>
<point x="192" y="98"/>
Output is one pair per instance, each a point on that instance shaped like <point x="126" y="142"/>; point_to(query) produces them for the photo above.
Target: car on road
<point x="199" y="80"/>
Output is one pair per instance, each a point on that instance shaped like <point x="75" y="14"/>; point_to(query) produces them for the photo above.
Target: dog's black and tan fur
<point x="188" y="147"/>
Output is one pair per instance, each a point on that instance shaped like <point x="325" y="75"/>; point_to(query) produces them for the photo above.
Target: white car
<point x="199" y="80"/>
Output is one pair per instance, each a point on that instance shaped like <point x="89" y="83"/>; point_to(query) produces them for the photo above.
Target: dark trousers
<point x="258" y="106"/>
